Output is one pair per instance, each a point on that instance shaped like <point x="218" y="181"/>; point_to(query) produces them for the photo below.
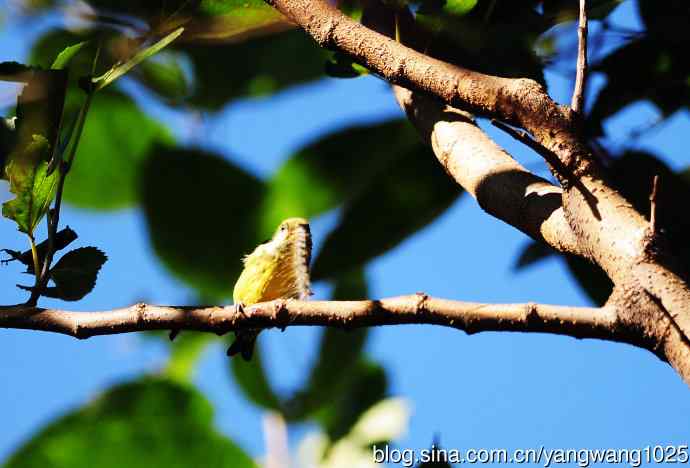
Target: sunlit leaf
<point x="151" y="422"/>
<point x="117" y="138"/>
<point x="39" y="112"/>
<point x="67" y="54"/>
<point x="117" y="71"/>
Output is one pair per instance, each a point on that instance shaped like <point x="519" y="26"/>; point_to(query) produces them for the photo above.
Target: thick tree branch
<point x="501" y="186"/>
<point x="581" y="322"/>
<point x="521" y="102"/>
<point x="577" y="103"/>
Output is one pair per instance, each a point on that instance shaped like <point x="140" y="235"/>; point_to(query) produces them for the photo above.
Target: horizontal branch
<point x="581" y="322"/>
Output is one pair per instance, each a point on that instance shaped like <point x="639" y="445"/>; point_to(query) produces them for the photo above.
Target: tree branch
<point x="577" y="102"/>
<point x="521" y="102"/>
<point x="581" y="322"/>
<point x="501" y="186"/>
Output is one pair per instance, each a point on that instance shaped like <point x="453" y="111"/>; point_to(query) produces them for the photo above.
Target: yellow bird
<point x="276" y="269"/>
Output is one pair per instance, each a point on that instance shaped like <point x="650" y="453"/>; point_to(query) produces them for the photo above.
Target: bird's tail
<point x="243" y="344"/>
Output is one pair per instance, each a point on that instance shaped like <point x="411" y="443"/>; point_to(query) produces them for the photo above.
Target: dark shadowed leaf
<point x="532" y="253"/>
<point x="668" y="20"/>
<point x="334" y="169"/>
<point x="151" y="422"/>
<point x="251" y="377"/>
<point x="591" y="278"/>
<point x="341" y="66"/>
<point x="208" y="20"/>
<point x="74" y="275"/>
<point x="63" y="238"/>
<point x="257" y="67"/>
<point x="117" y="138"/>
<point x="339" y="353"/>
<point x="201" y="216"/>
<point x="662" y="81"/>
<point x="163" y="75"/>
<point x="407" y="196"/>
<point x="366" y="387"/>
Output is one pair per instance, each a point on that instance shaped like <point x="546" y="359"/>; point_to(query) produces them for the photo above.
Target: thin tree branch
<point x="577" y="102"/>
<point x="652" y="203"/>
<point x="581" y="322"/>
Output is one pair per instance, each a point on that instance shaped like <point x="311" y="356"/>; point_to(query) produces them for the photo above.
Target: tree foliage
<point x="76" y="120"/>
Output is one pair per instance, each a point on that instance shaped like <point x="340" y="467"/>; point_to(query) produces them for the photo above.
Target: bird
<point x="276" y="269"/>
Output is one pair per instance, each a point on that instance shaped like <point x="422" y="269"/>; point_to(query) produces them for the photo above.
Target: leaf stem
<point x="34" y="255"/>
<point x="53" y="217"/>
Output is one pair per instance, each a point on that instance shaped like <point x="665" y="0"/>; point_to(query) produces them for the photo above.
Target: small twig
<point x="652" y="202"/>
<point x="559" y="169"/>
<point x="581" y="76"/>
<point x="524" y="138"/>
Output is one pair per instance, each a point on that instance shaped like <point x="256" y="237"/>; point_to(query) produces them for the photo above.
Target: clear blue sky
<point x="484" y="391"/>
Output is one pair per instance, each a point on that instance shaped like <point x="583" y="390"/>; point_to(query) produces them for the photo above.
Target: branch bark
<point x="580" y="322"/>
<point x="577" y="103"/>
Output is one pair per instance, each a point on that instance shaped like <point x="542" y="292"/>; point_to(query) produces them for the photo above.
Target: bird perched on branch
<point x="276" y="269"/>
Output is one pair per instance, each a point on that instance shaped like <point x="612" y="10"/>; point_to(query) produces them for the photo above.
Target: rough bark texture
<point x="593" y="220"/>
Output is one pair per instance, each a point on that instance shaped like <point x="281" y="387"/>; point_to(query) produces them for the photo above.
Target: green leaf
<point x="39" y="112"/>
<point x="532" y="253"/>
<point x="252" y="380"/>
<point x="591" y="278"/>
<point x="334" y="169"/>
<point x="258" y="67"/>
<point x="366" y="387"/>
<point x="120" y="69"/>
<point x="151" y="422"/>
<point x="67" y="54"/>
<point x="26" y="170"/>
<point x="459" y="7"/>
<point x="75" y="274"/>
<point x="411" y="193"/>
<point x="117" y="138"/>
<point x="185" y="352"/>
<point x="664" y="81"/>
<point x="340" y="352"/>
<point x="164" y="76"/>
<point x="498" y="41"/>
<point x="201" y="216"/>
<point x="342" y="66"/>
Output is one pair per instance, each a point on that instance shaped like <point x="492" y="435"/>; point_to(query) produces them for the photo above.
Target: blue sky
<point x="484" y="391"/>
